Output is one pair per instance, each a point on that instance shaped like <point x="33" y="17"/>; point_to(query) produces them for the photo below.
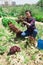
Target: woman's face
<point x="28" y="14"/>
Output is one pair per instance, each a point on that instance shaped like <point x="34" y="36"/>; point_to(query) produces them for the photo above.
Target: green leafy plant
<point x="5" y="21"/>
<point x="33" y="57"/>
<point x="2" y="49"/>
<point x="39" y="18"/>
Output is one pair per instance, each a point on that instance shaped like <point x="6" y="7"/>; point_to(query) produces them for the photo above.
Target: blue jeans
<point x="28" y="33"/>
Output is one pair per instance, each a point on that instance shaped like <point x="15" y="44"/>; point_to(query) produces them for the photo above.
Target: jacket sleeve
<point x="32" y="22"/>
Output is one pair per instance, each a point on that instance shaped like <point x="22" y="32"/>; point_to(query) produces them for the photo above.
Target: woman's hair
<point x="28" y="11"/>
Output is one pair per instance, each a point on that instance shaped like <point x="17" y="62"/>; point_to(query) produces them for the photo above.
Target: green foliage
<point x="36" y="10"/>
<point x="40" y="3"/>
<point x="5" y="21"/>
<point x="2" y="13"/>
<point x="2" y="49"/>
<point x="5" y="36"/>
<point x="40" y="31"/>
<point x="39" y="18"/>
<point x="33" y="57"/>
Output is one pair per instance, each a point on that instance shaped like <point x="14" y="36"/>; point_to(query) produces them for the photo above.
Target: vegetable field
<point x="29" y="55"/>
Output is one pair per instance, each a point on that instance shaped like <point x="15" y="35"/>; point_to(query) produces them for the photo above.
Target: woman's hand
<point x="26" y="23"/>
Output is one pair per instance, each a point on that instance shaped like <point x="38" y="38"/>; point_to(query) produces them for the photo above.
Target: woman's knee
<point x="23" y="34"/>
<point x="35" y="32"/>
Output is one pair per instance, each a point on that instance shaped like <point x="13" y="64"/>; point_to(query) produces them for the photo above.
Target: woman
<point x="29" y="21"/>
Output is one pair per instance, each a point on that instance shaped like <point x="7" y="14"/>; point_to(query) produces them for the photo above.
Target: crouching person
<point x="31" y="31"/>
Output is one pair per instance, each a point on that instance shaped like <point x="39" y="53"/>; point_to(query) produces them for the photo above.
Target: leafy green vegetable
<point x="2" y="49"/>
